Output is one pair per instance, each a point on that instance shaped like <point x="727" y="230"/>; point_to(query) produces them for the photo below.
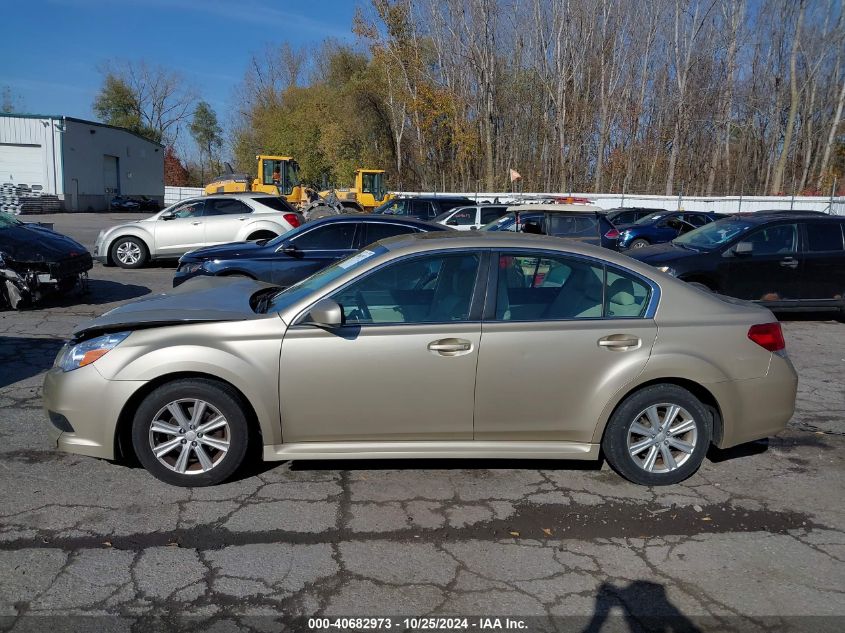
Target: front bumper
<point x="89" y="404"/>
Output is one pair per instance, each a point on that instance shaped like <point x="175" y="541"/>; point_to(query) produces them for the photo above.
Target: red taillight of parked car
<point x="612" y="234"/>
<point x="292" y="219"/>
<point x="767" y="335"/>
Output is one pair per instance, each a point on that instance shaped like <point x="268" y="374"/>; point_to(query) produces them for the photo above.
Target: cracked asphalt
<point x="754" y="541"/>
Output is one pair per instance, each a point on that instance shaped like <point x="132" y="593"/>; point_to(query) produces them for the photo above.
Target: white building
<point x="82" y="162"/>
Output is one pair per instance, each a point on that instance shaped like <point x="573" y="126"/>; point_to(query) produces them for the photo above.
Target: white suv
<point x="193" y="223"/>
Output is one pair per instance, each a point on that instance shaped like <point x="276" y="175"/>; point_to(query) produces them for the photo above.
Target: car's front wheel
<point x="129" y="252"/>
<point x="191" y="432"/>
<point x="658" y="435"/>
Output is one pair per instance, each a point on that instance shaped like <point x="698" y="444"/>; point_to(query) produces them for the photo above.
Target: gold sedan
<point x="429" y="345"/>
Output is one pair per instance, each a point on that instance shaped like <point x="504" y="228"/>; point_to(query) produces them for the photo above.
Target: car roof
<point x="377" y="219"/>
<point x="443" y="197"/>
<point x="556" y="208"/>
<point x="423" y="242"/>
<point x="771" y="216"/>
<point x="241" y="194"/>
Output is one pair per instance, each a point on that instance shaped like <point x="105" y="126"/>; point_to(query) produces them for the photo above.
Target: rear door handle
<point x="619" y="342"/>
<point x="450" y="346"/>
<point x="789" y="262"/>
<point x="196" y="223"/>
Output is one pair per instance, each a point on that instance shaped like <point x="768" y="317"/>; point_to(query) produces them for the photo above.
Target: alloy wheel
<point x="128" y="253"/>
<point x="189" y="436"/>
<point x="662" y="438"/>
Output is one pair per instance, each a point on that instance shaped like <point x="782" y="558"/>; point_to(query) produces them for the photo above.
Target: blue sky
<point x="50" y="50"/>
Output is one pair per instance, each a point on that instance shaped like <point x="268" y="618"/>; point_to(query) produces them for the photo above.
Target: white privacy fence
<point x="718" y="204"/>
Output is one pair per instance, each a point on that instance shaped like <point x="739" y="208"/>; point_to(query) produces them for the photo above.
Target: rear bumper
<point x="757" y="408"/>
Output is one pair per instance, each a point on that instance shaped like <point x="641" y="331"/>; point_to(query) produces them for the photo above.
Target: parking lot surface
<point x="754" y="540"/>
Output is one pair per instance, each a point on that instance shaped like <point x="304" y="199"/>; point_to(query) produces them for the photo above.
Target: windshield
<point x="505" y="223"/>
<point x="297" y="291"/>
<point x="713" y="235"/>
<point x="7" y="221"/>
<point x="651" y="217"/>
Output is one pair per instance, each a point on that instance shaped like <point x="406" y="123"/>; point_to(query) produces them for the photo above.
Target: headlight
<point x="75" y="356"/>
<point x="667" y="269"/>
<point x="190" y="267"/>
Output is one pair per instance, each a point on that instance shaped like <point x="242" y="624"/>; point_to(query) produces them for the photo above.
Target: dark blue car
<point x="661" y="227"/>
<point x="297" y="254"/>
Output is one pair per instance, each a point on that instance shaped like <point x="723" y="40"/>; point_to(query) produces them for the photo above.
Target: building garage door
<point x="110" y="178"/>
<point x="21" y="164"/>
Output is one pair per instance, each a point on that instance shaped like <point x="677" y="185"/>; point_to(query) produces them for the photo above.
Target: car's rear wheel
<point x="658" y="436"/>
<point x="129" y="252"/>
<point x="639" y="243"/>
<point x="191" y="432"/>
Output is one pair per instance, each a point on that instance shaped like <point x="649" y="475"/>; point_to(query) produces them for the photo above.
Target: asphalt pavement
<point x="754" y="541"/>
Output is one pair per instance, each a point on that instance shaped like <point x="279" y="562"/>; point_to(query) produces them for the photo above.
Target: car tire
<point x="129" y="252"/>
<point x="639" y="243"/>
<point x="654" y="455"/>
<point x="196" y="458"/>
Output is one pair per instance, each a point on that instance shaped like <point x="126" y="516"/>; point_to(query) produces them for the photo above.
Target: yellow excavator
<point x="279" y="176"/>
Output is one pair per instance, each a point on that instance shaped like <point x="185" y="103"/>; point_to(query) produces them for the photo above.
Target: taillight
<point x="612" y="234"/>
<point x="292" y="219"/>
<point x="768" y="336"/>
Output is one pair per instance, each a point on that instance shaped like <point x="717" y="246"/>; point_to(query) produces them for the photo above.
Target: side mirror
<point x="743" y="248"/>
<point x="292" y="250"/>
<point x="325" y="313"/>
<point x="167" y="216"/>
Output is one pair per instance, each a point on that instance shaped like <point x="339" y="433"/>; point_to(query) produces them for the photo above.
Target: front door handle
<point x="619" y="342"/>
<point x="789" y="262"/>
<point x="196" y="223"/>
<point x="450" y="346"/>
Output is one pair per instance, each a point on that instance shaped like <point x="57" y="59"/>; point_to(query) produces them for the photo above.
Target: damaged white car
<point x="36" y="261"/>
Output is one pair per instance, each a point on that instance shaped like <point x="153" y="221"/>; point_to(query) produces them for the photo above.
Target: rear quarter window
<point x="274" y="202"/>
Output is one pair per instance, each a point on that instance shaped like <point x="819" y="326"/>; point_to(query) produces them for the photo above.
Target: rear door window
<point x="824" y="236"/>
<point x="379" y="231"/>
<point x="540" y="287"/>
<point x="421" y="209"/>
<point x="226" y="206"/>
<point x="276" y="203"/>
<point x="329" y="237"/>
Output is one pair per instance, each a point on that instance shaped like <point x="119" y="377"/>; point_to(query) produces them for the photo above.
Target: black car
<point x="583" y="223"/>
<point x="36" y="261"/>
<point x="629" y="215"/>
<point x="297" y="254"/>
<point x="784" y="261"/>
<point x="422" y="207"/>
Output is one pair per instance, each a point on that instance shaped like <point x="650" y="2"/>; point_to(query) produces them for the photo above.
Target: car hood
<point x="33" y="243"/>
<point x="233" y="250"/>
<point x="660" y="253"/>
<point x="204" y="299"/>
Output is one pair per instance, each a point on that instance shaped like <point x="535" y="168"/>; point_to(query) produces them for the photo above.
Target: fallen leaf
<point x="706" y="519"/>
<point x="107" y="543"/>
<point x="514" y="533"/>
<point x="547" y="531"/>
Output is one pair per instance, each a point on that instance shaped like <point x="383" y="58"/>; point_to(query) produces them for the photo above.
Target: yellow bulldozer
<point x="279" y="176"/>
